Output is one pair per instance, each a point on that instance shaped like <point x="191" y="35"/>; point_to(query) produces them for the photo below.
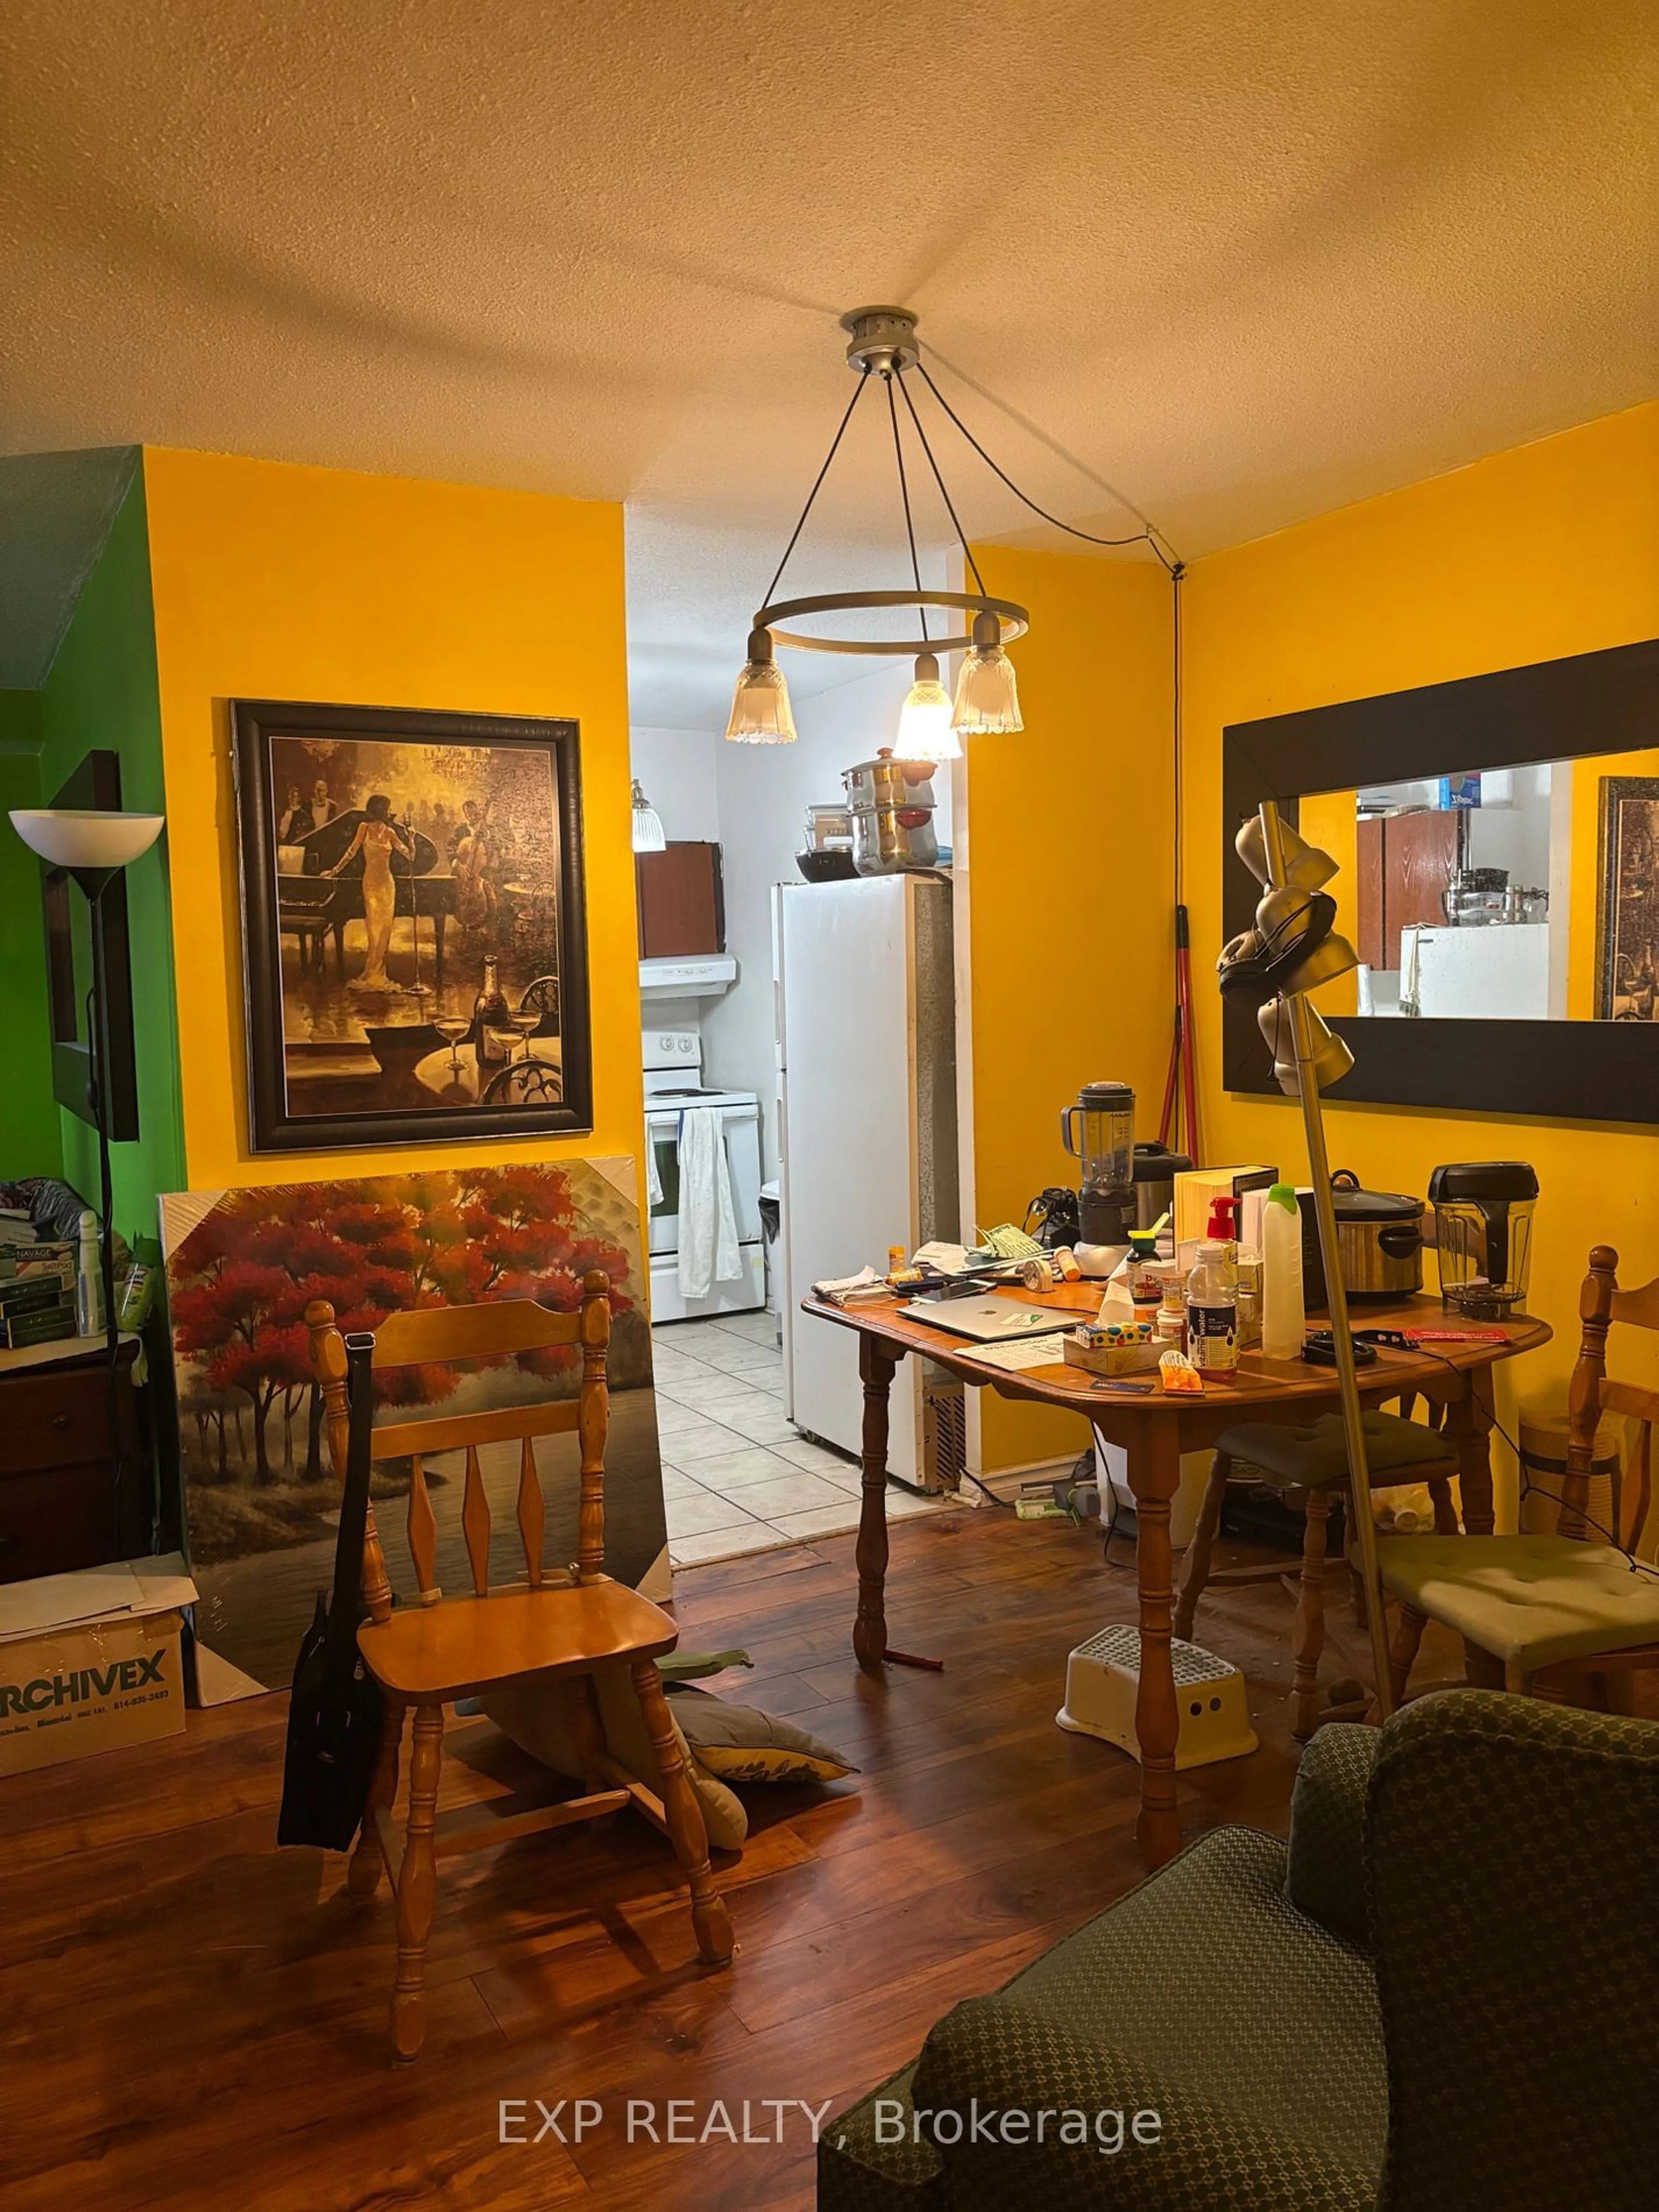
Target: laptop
<point x="992" y="1321"/>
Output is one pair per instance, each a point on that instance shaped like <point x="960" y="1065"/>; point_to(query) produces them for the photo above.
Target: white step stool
<point x="1102" y="1680"/>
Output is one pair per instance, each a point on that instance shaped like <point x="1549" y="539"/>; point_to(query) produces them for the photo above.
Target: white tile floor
<point x="737" y="1476"/>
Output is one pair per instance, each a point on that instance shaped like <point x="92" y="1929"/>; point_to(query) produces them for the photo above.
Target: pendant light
<point x="761" y="713"/>
<point x="648" y="824"/>
<point x="987" y="696"/>
<point x="924" y="730"/>
<point x="883" y="346"/>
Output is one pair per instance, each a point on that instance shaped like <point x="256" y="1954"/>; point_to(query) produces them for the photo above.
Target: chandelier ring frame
<point x="1014" y="619"/>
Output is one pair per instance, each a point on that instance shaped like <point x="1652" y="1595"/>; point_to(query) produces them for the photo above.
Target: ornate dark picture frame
<point x="1589" y="704"/>
<point x="95" y="784"/>
<point x="1627" y="900"/>
<point x="422" y="847"/>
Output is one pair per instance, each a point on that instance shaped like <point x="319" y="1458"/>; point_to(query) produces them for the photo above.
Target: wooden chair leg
<point x="686" y="1830"/>
<point x="1402" y="1652"/>
<point x="1445" y="1508"/>
<point x="589" y="1730"/>
<point x="1309" y="1634"/>
<point x="1196" y="1567"/>
<point x="418" y="1885"/>
<point x="363" y="1876"/>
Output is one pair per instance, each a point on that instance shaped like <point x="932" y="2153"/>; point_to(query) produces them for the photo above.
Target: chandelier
<point x="884" y="350"/>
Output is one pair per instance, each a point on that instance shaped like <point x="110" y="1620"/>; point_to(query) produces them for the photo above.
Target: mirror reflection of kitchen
<point x="1521" y="893"/>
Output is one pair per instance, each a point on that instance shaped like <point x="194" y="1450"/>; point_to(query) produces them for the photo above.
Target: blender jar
<point x="1483" y="1212"/>
<point x="1099" y="1133"/>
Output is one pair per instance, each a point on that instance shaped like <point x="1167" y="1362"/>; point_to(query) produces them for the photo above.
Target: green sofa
<point x="1443" y="1995"/>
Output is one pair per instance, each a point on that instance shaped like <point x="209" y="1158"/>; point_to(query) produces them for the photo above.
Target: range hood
<point x="701" y="975"/>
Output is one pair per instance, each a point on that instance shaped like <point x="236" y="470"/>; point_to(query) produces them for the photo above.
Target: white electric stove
<point x="673" y="1084"/>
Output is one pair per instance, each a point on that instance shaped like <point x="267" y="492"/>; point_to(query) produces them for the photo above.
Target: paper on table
<point x="949" y="1259"/>
<point x="1019" y="1352"/>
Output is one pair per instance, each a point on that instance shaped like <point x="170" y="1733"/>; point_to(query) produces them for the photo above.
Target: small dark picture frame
<point x="414" y="926"/>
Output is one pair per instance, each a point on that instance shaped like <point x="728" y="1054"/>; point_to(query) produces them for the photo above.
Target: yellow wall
<point x="278" y="582"/>
<point x="1547" y="550"/>
<point x="1068" y="844"/>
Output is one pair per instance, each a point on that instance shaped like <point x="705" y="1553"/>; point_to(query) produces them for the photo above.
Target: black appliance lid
<point x="1157" y="1164"/>
<point x="1481" y="1179"/>
<point x="1106" y="1098"/>
<point x="1353" y="1204"/>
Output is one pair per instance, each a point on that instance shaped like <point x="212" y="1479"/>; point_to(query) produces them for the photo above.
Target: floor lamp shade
<point x="85" y="837"/>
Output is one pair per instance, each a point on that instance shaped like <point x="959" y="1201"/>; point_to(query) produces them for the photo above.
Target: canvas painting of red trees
<point x="259" y="1497"/>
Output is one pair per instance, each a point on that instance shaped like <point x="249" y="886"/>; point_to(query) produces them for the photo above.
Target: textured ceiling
<point x="1245" y="259"/>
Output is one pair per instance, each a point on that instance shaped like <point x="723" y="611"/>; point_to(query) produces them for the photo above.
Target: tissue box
<point x="1112" y="1358"/>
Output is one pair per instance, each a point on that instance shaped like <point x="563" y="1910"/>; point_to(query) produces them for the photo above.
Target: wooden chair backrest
<point x="1593" y="1392"/>
<point x="432" y="1334"/>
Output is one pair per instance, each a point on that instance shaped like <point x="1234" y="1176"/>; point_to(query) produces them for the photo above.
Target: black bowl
<point x="829" y="867"/>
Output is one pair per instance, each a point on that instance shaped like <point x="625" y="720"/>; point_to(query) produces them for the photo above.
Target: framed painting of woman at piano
<point x="414" y="938"/>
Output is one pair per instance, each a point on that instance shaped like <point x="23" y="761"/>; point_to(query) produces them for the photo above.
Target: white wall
<point x="676" y="768"/>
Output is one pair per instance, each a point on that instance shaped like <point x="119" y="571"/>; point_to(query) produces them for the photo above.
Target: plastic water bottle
<point x="1283" y="1319"/>
<point x="1212" y="1312"/>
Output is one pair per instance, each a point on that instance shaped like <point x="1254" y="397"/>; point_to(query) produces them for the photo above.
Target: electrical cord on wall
<point x="1530" y="1488"/>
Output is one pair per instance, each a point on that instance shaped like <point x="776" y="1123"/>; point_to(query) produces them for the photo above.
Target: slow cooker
<point x="1379" y="1235"/>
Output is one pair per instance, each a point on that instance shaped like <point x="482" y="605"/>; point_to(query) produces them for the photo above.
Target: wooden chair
<point x="1306" y="1466"/>
<point x="1556" y="1611"/>
<point x="562" y="1624"/>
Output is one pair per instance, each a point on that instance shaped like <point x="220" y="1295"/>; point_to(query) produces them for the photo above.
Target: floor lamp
<point x="93" y="847"/>
<point x="1292" y="950"/>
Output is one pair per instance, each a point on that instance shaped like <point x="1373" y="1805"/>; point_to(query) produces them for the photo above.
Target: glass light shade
<point x="924" y="725"/>
<point x="987" y="697"/>
<point x="648" y="824"/>
<point x="761" y="713"/>
<point x="83" y="837"/>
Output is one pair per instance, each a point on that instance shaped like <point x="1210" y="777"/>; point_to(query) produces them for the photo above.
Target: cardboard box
<point x="90" y="1662"/>
<point x="1196" y="1191"/>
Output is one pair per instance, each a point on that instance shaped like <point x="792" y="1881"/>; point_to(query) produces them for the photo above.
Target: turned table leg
<point x="877" y="1366"/>
<point x="1468" y="1428"/>
<point x="1154" y="1471"/>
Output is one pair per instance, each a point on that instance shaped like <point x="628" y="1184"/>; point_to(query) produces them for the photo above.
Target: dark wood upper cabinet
<point x="1404" y="863"/>
<point x="681" y="901"/>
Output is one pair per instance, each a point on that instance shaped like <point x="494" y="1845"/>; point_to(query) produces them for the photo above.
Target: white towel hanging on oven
<point x="709" y="1252"/>
<point x="653" y="1192"/>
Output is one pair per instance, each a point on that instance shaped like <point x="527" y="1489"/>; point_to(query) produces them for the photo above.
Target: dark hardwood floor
<point x="192" y="2018"/>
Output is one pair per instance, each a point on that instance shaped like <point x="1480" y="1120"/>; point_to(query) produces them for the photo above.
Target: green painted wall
<point x="101" y="692"/>
<point x="30" y="1140"/>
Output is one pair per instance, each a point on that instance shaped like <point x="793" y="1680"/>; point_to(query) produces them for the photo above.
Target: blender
<point x="1483" y="1213"/>
<point x="1099" y="1133"/>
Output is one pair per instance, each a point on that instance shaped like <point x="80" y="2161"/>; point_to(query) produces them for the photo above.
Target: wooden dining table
<point x="1153" y="1429"/>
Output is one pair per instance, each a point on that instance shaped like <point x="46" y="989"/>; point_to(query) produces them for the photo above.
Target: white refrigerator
<point x="866" y="1006"/>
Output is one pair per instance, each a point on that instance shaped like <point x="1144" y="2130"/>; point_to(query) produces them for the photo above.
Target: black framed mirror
<point x="1502" y="837"/>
